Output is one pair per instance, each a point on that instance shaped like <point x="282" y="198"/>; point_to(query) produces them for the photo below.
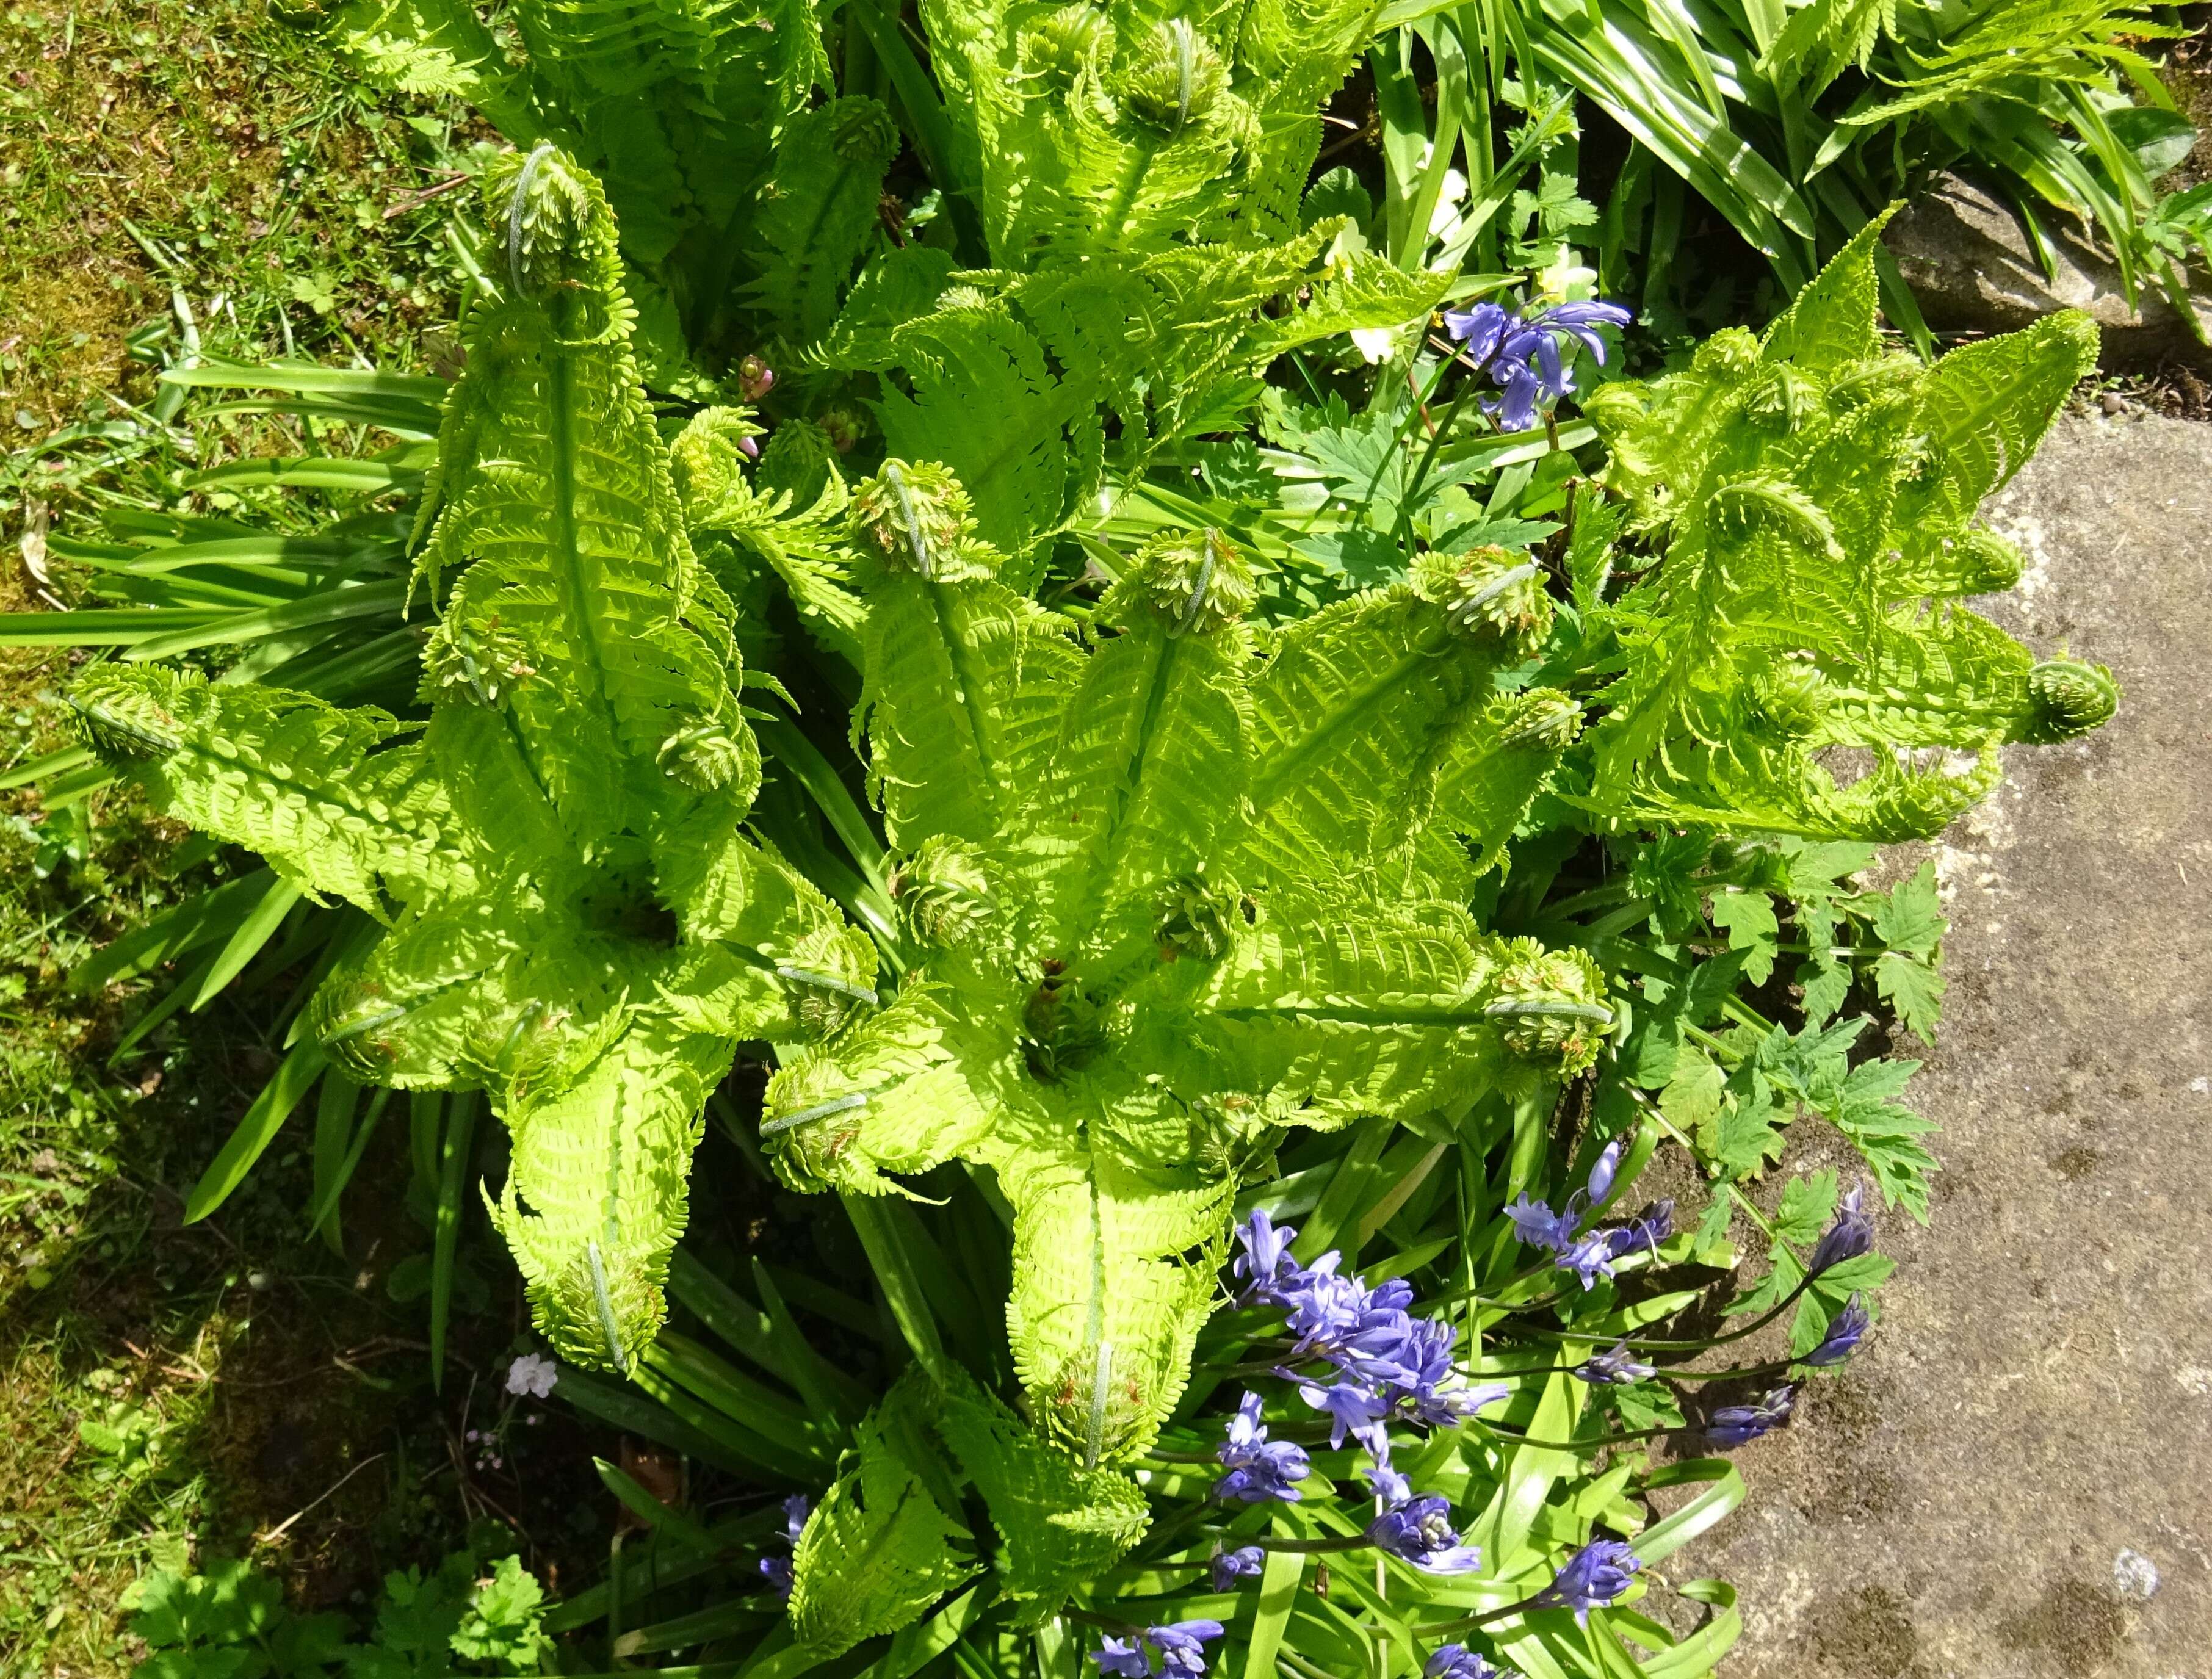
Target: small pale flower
<point x="532" y="1376"/>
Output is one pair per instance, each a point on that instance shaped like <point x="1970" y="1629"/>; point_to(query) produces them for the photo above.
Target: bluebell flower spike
<point x="1615" y="1367"/>
<point x="1419" y="1530"/>
<point x="1522" y="353"/>
<point x="1260" y="1470"/>
<point x="1845" y="1331"/>
<point x="1851" y="1235"/>
<point x="1456" y="1661"/>
<point x="1182" y="1645"/>
<point x="1595" y="1576"/>
<point x="1243" y="1563"/>
<point x="1734" y="1426"/>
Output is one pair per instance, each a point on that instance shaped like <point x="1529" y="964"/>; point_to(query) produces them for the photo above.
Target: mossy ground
<point x="167" y="1391"/>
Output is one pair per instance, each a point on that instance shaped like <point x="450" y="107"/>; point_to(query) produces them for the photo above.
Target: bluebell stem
<point x="1736" y="1425"/>
<point x="1419" y="1530"/>
<point x="1522" y="352"/>
<point x="1230" y="1567"/>
<point x="1593" y="1576"/>
<point x="1456" y="1661"/>
<point x="1615" y="1367"/>
<point x="1259" y="1469"/>
<point x="1844" y="1333"/>
<point x="1851" y="1234"/>
<point x="1182" y="1645"/>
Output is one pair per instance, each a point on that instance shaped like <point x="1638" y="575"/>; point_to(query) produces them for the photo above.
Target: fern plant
<point x="565" y="911"/>
<point x="1171" y="899"/>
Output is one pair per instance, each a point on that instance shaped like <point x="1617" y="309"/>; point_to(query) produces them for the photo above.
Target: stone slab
<point x="1977" y="1496"/>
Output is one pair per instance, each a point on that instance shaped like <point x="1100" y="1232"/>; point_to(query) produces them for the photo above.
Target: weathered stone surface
<point x="1968" y="261"/>
<point x="2037" y="1400"/>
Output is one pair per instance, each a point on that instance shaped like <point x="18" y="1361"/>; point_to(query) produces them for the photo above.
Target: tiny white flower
<point x="533" y="1375"/>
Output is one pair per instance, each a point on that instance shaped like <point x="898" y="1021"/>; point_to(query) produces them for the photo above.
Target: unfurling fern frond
<point x="576" y="924"/>
<point x="1176" y="898"/>
<point x="1811" y="500"/>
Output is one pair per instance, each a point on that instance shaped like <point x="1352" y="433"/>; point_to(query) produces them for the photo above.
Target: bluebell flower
<point x="1324" y="1307"/>
<point x="795" y="1509"/>
<point x="1605" y="1168"/>
<point x="1264" y="1267"/>
<point x="1593" y="1576"/>
<point x="1522" y="352"/>
<point x="1647" y="1230"/>
<point x="1614" y="1367"/>
<point x="1456" y="1661"/>
<point x="1845" y="1331"/>
<point x="1851" y="1234"/>
<point x="1243" y="1563"/>
<point x="1419" y="1530"/>
<point x="1124" y="1658"/>
<point x="1590" y="1258"/>
<point x="1387" y="1483"/>
<point x="1182" y="1645"/>
<point x="1259" y="1469"/>
<point x="1352" y="1410"/>
<point x="1541" y="1227"/>
<point x="777" y="1571"/>
<point x="1736" y="1425"/>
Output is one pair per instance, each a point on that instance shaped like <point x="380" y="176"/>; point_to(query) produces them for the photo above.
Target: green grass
<point x="171" y="173"/>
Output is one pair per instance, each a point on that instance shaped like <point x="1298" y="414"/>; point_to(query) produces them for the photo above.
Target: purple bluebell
<point x="1352" y="1410"/>
<point x="1243" y="1563"/>
<point x="1541" y="1227"/>
<point x="1849" y="1236"/>
<point x="1845" y="1330"/>
<point x="1456" y="1661"/>
<point x="1182" y="1645"/>
<point x="1387" y="1483"/>
<point x="1419" y="1530"/>
<point x="1653" y="1225"/>
<point x="1736" y="1425"/>
<point x="1615" y="1367"/>
<point x="1324" y="1308"/>
<point x="1124" y="1658"/>
<point x="1590" y="1258"/>
<point x="1259" y="1469"/>
<point x="777" y="1571"/>
<point x="795" y="1509"/>
<point x="1522" y="352"/>
<point x="1603" y="1171"/>
<point x="1593" y="1576"/>
<point x="1264" y="1267"/>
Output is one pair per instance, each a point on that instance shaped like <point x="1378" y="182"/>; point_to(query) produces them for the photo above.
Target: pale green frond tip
<point x="942" y="898"/>
<point x="914" y="516"/>
<point x="123" y="712"/>
<point x="1177" y="79"/>
<point x="1061" y="47"/>
<point x="863" y="131"/>
<point x="1193" y="582"/>
<point x="1790" y="697"/>
<point x="1488" y="593"/>
<point x="2068" y="698"/>
<point x="1544" y="717"/>
<point x="468" y="662"/>
<point x="560" y="242"/>
<point x="1550" y="1005"/>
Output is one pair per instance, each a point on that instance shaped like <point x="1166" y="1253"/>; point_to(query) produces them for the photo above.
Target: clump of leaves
<point x="230" y="1622"/>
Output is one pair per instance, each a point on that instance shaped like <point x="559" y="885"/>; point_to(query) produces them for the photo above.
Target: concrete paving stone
<point x="2014" y="1478"/>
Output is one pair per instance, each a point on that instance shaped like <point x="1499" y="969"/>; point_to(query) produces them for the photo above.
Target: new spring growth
<point x="1260" y="1470"/>
<point x="1456" y="1661"/>
<point x="1522" y="352"/>
<point x="1416" y="1527"/>
<point x="1844" y="1333"/>
<point x="1851" y="1235"/>
<point x="1228" y="1567"/>
<point x="1176" y="1649"/>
